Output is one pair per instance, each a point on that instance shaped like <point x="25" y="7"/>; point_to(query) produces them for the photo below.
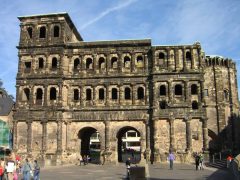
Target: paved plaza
<point x="114" y="172"/>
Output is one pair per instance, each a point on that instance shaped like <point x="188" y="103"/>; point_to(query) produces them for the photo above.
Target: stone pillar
<point x="186" y="91"/>
<point x="202" y="91"/>
<point x="60" y="94"/>
<point x="170" y="91"/>
<point x="17" y="94"/>
<point x="176" y="58"/>
<point x="148" y="150"/>
<point x="205" y="134"/>
<point x="188" y="133"/>
<point x="45" y="95"/>
<point x="172" y="138"/>
<point x="29" y="137"/>
<point x="68" y="131"/>
<point x="192" y="59"/>
<point x="32" y="95"/>
<point x="15" y="144"/>
<point x="59" y="137"/>
<point x="44" y="137"/>
<point x="107" y="135"/>
<point x="184" y="60"/>
<point x="133" y="93"/>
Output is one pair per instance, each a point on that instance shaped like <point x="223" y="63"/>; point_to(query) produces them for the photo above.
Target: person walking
<point x="36" y="169"/>
<point x="26" y="170"/>
<point x="1" y="169"/>
<point x="102" y="157"/>
<point x="197" y="160"/>
<point x="128" y="166"/>
<point x="201" y="161"/>
<point x="10" y="167"/>
<point x="171" y="158"/>
<point x="229" y="159"/>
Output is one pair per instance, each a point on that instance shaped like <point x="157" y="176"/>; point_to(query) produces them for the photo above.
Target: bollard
<point x="220" y="156"/>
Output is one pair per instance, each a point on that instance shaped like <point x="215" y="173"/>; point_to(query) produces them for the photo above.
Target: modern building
<point x="174" y="96"/>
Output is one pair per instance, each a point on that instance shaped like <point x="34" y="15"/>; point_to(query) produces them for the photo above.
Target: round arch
<point x="86" y="142"/>
<point x="128" y="145"/>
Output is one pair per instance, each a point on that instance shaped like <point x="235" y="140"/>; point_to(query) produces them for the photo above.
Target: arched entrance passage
<point x="89" y="136"/>
<point x="213" y="141"/>
<point x="128" y="143"/>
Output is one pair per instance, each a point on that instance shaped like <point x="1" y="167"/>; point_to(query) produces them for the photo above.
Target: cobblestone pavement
<point x="118" y="172"/>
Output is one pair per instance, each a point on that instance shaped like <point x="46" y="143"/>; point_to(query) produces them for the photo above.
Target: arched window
<point x="127" y="93"/>
<point x="188" y="55"/>
<point x="114" y="93"/>
<point x="194" y="89"/>
<point x="101" y="63"/>
<point x="178" y="89"/>
<point x="194" y="105"/>
<point x="163" y="104"/>
<point x="101" y="94"/>
<point x="140" y="93"/>
<point x="40" y="63"/>
<point x="89" y="63"/>
<point x="29" y="30"/>
<point x="139" y="61"/>
<point x="53" y="93"/>
<point x="54" y="63"/>
<point x="26" y="94"/>
<point x="56" y="31"/>
<point x="76" y="94"/>
<point x="127" y="62"/>
<point x="76" y="64"/>
<point x="114" y="63"/>
<point x="88" y="94"/>
<point x="161" y="58"/>
<point x="39" y="95"/>
<point x="42" y="33"/>
<point x="226" y="95"/>
<point x="162" y="90"/>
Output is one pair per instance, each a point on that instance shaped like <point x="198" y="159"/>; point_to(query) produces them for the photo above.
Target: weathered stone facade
<point x="174" y="96"/>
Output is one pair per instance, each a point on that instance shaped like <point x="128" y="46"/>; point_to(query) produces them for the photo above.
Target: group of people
<point x="84" y="159"/>
<point x="11" y="168"/>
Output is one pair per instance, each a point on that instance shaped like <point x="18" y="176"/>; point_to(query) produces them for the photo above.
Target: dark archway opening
<point x="129" y="145"/>
<point x="90" y="143"/>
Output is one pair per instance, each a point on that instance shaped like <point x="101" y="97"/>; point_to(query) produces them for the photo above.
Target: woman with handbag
<point x="26" y="169"/>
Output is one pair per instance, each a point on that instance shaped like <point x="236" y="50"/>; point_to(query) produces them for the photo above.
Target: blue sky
<point x="215" y="24"/>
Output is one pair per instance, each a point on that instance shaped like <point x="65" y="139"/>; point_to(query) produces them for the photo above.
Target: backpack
<point x="1" y="170"/>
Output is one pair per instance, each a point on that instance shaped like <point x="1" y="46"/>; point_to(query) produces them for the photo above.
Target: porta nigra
<point x="176" y="97"/>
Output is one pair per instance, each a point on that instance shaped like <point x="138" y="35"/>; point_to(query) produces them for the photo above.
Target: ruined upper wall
<point x="48" y="29"/>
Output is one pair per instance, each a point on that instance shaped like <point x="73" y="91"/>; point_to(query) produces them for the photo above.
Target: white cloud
<point x="106" y="12"/>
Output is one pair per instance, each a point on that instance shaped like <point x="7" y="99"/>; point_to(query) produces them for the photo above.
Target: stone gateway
<point x="175" y="97"/>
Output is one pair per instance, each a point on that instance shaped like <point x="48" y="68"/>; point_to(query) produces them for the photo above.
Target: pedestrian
<point x="229" y="160"/>
<point x="201" y="161"/>
<point x="197" y="160"/>
<point x="81" y="160"/>
<point x="1" y="170"/>
<point x="171" y="158"/>
<point x="128" y="166"/>
<point x="102" y="157"/>
<point x="10" y="166"/>
<point x="26" y="169"/>
<point x="36" y="169"/>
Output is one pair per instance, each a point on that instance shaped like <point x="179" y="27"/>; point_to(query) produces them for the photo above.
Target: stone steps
<point x="219" y="164"/>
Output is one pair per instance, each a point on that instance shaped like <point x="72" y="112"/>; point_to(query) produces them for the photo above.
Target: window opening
<point x="42" y="32"/>
<point x="194" y="105"/>
<point x="101" y="94"/>
<point x="188" y="56"/>
<point x="29" y="30"/>
<point x="54" y="63"/>
<point x="76" y="64"/>
<point x="89" y="63"/>
<point x="89" y="94"/>
<point x="53" y="94"/>
<point x="127" y="93"/>
<point x="114" y="93"/>
<point x="126" y="62"/>
<point x="76" y="94"/>
<point x="163" y="105"/>
<point x="101" y="63"/>
<point x="162" y="90"/>
<point x="26" y="94"/>
<point x="178" y="89"/>
<point x="40" y="63"/>
<point x="56" y="31"/>
<point x="114" y="62"/>
<point x="194" y="89"/>
<point x="140" y="93"/>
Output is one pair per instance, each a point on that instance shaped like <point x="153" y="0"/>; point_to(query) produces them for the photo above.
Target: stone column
<point x="192" y="59"/>
<point x="172" y="138"/>
<point x="202" y="91"/>
<point x="184" y="60"/>
<point x="44" y="136"/>
<point x="29" y="137"/>
<point x="45" y="95"/>
<point x="17" y="94"/>
<point x="133" y="95"/>
<point x="148" y="150"/>
<point x="205" y="134"/>
<point x="68" y="131"/>
<point x="32" y="96"/>
<point x="176" y="58"/>
<point x="188" y="133"/>
<point x="60" y="94"/>
<point x="170" y="91"/>
<point x="15" y="144"/>
<point x="107" y="135"/>
<point x="59" y="137"/>
<point x="186" y="91"/>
